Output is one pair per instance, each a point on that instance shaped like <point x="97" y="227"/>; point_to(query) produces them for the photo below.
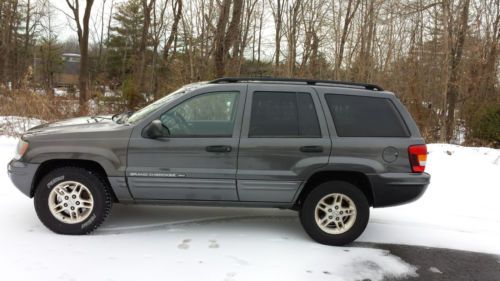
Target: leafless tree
<point x="82" y="30"/>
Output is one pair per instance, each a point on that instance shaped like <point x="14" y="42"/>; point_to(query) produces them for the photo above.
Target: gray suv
<point x="329" y="149"/>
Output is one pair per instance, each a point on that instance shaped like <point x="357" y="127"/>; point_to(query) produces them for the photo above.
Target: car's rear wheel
<point x="72" y="200"/>
<point x="335" y="213"/>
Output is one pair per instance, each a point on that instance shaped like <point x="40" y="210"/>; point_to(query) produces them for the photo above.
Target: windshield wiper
<point x="100" y="117"/>
<point x="120" y="118"/>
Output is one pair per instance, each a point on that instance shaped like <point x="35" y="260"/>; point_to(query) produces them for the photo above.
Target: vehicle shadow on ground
<point x="136" y="218"/>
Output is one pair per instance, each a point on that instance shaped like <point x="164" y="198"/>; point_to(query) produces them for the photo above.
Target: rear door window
<point x="360" y="116"/>
<point x="283" y="114"/>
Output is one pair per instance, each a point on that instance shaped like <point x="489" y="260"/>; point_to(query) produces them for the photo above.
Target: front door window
<point x="207" y="115"/>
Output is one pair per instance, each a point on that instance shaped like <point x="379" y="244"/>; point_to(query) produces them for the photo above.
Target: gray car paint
<point x="272" y="169"/>
<point x="104" y="142"/>
<point x="191" y="172"/>
<point x="267" y="172"/>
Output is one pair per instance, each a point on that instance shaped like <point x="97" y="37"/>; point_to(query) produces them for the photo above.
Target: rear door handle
<point x="218" y="148"/>
<point x="311" y="148"/>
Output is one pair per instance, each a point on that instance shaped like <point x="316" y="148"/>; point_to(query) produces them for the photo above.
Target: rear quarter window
<point x="361" y="116"/>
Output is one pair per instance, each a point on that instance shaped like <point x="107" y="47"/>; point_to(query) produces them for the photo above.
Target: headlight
<point x="22" y="147"/>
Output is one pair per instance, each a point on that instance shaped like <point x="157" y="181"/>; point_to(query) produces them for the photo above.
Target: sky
<point x="65" y="26"/>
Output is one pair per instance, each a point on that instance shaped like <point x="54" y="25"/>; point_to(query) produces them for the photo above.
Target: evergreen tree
<point x="124" y="43"/>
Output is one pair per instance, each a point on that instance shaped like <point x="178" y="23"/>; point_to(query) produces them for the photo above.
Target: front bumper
<point x="390" y="189"/>
<point x="22" y="174"/>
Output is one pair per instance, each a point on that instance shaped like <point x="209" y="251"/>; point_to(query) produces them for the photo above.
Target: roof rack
<point x="372" y="87"/>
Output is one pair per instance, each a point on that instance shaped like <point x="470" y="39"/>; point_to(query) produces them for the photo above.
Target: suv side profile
<point x="329" y="149"/>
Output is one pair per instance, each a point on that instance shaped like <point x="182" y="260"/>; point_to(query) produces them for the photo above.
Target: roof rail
<point x="372" y="87"/>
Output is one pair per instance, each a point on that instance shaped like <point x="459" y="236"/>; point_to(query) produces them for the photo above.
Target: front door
<point x="198" y="160"/>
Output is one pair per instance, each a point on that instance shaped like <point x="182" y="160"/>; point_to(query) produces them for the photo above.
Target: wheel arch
<point x="50" y="165"/>
<point x="359" y="179"/>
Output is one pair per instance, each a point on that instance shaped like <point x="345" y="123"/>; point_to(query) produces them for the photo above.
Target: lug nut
<point x="341" y="212"/>
<point x="337" y="218"/>
<point x="72" y="208"/>
<point x="77" y="202"/>
<point x="66" y="197"/>
<point x="65" y="205"/>
<point x="330" y="217"/>
<point x="330" y="210"/>
<point x="74" y="196"/>
<point x="336" y="207"/>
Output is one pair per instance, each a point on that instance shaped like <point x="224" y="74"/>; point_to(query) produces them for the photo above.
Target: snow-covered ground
<point x="14" y="125"/>
<point x="460" y="210"/>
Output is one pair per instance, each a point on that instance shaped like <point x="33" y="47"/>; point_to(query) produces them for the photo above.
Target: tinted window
<point x="357" y="116"/>
<point x="211" y="114"/>
<point x="283" y="114"/>
<point x="308" y="118"/>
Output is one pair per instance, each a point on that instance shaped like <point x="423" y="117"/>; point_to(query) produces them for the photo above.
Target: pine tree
<point x="124" y="43"/>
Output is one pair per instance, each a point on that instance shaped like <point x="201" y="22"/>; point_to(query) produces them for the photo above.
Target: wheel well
<point x="358" y="179"/>
<point x="50" y="165"/>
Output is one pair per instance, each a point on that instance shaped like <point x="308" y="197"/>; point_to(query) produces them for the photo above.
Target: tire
<point x="353" y="222"/>
<point x="72" y="201"/>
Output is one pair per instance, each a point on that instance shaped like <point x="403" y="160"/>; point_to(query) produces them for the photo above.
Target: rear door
<point x="198" y="160"/>
<point x="284" y="138"/>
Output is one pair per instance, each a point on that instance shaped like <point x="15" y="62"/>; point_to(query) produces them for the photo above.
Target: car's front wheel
<point x="72" y="200"/>
<point x="335" y="213"/>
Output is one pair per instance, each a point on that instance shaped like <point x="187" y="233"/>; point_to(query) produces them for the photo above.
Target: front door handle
<point x="218" y="148"/>
<point x="311" y="148"/>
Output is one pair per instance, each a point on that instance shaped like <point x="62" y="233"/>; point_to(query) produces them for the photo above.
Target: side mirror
<point x="155" y="130"/>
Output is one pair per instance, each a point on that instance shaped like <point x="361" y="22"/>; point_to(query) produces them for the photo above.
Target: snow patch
<point x="15" y="125"/>
<point x="435" y="270"/>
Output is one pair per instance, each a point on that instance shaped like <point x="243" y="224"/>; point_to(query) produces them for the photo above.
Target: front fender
<point x="111" y="161"/>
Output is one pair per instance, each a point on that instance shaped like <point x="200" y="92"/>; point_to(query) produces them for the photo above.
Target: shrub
<point x="486" y="126"/>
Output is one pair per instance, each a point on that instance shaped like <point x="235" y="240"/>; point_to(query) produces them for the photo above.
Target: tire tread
<point x="108" y="202"/>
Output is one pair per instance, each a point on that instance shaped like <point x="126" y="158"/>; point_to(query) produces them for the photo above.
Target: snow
<point x="14" y="125"/>
<point x="459" y="211"/>
<point x="60" y="92"/>
<point x="435" y="270"/>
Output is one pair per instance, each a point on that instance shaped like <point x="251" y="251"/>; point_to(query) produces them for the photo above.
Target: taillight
<point x="418" y="157"/>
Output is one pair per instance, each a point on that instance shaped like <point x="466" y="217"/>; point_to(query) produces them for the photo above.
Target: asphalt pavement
<point x="435" y="264"/>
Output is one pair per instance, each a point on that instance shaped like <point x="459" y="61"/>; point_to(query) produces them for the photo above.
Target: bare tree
<point x="82" y="30"/>
<point x="352" y="7"/>
<point x="440" y="57"/>
<point x="277" y="10"/>
<point x="147" y="7"/>
<point x="241" y="43"/>
<point x="177" y="10"/>
<point x="456" y="31"/>
<point x="292" y="22"/>
<point x="226" y="35"/>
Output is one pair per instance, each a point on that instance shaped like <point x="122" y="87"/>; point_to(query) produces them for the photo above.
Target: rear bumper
<point x="22" y="174"/>
<point x="390" y="189"/>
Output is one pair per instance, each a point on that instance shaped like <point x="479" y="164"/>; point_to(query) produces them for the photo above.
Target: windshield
<point x="145" y="111"/>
